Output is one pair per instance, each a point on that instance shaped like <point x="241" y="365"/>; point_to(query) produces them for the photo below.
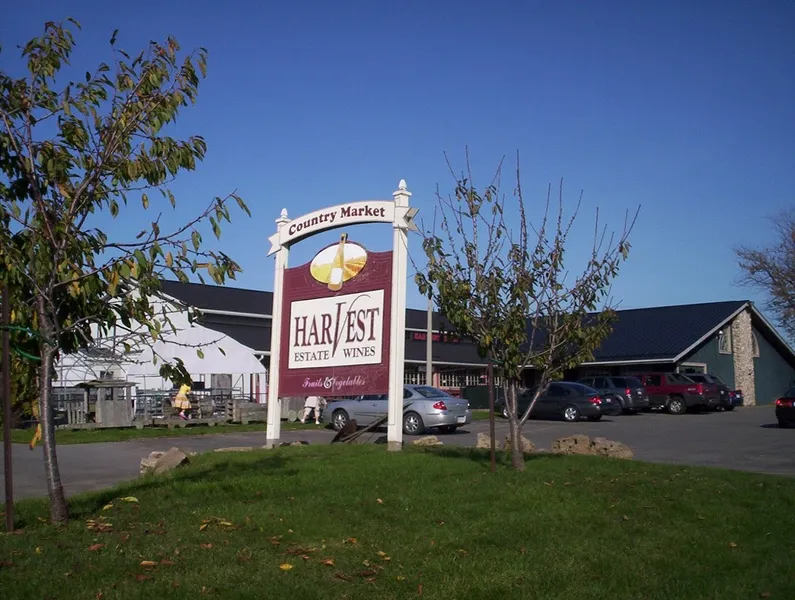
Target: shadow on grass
<point x="86" y="505"/>
<point x="483" y="456"/>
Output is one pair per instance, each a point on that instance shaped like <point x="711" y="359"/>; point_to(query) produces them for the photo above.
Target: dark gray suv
<point x="629" y="391"/>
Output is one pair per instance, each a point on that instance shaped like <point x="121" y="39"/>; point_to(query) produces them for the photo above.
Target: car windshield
<point x="430" y="392"/>
<point x="628" y="382"/>
<point x="679" y="377"/>
<point x="579" y="388"/>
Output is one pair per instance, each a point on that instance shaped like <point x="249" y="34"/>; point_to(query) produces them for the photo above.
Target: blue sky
<point x="686" y="108"/>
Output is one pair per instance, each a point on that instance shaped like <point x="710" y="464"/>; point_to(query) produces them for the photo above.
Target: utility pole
<point x="6" y="366"/>
<point x="429" y="345"/>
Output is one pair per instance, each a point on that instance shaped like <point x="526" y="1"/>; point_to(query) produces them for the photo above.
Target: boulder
<point x="605" y="447"/>
<point x="170" y="460"/>
<point x="428" y="440"/>
<point x="235" y="449"/>
<point x="148" y="462"/>
<point x="484" y="442"/>
<point x="572" y="444"/>
<point x="599" y="446"/>
<point x="526" y="445"/>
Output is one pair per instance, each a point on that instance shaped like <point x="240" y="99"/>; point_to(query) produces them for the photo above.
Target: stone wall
<point x="743" y="354"/>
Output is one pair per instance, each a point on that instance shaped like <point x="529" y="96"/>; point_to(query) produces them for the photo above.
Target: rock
<point x="582" y="444"/>
<point x="484" y="442"/>
<point x="235" y="449"/>
<point x="148" y="462"/>
<point x="526" y="445"/>
<point x="605" y="447"/>
<point x="572" y="444"/>
<point x="428" y="440"/>
<point x="170" y="460"/>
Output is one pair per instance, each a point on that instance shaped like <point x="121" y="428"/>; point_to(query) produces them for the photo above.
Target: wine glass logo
<point x="335" y="265"/>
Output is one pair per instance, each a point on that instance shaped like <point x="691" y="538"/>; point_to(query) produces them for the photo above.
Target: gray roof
<point x="642" y="334"/>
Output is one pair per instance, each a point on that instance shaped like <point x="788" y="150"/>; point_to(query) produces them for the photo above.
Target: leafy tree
<point x="771" y="270"/>
<point x="501" y="282"/>
<point x="75" y="155"/>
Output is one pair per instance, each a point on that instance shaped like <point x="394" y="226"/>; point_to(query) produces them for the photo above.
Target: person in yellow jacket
<point x="37" y="434"/>
<point x="181" y="401"/>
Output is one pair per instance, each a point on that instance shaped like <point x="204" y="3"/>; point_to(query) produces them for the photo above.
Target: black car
<point x="565" y="399"/>
<point x="729" y="398"/>
<point x="785" y="409"/>
<point x="628" y="391"/>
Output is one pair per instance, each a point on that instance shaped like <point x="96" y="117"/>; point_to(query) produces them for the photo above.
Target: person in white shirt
<point x="313" y="403"/>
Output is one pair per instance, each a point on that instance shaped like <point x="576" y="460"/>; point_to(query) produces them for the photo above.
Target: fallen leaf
<point x="329" y="562"/>
<point x="167" y="562"/>
<point x="462" y="551"/>
<point x="203" y="527"/>
<point x="764" y="595"/>
<point x="400" y="578"/>
<point x="381" y="553"/>
<point x="440" y="522"/>
<point x="419" y="590"/>
<point x="38" y="550"/>
<point x="379" y="500"/>
<point x="523" y="550"/>
<point x="285" y="566"/>
<point x="305" y="556"/>
<point x="351" y="540"/>
<point x="93" y="547"/>
<point x="225" y="523"/>
<point x="366" y="563"/>
<point x="368" y="573"/>
<point x="148" y="563"/>
<point x="289" y="531"/>
<point x="343" y="576"/>
<point x="129" y="499"/>
<point x="625" y="518"/>
<point x="732" y="545"/>
<point x="206" y="546"/>
<point x="99" y="596"/>
<point x="107" y="507"/>
<point x="142" y="577"/>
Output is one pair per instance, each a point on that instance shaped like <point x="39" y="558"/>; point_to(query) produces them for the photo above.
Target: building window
<point x="413" y="377"/>
<point x="725" y="341"/>
<point x="755" y="344"/>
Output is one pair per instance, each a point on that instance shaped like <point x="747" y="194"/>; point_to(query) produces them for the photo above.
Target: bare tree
<point x="500" y="280"/>
<point x="771" y="270"/>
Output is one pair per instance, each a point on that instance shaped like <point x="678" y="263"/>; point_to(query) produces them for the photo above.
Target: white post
<point x="429" y="344"/>
<point x="274" y="407"/>
<point x="398" y="329"/>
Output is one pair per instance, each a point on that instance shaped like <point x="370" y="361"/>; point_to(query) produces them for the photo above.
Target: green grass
<point x="435" y="524"/>
<point x="89" y="436"/>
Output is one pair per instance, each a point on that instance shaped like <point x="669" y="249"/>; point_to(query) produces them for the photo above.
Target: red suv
<point x="676" y="393"/>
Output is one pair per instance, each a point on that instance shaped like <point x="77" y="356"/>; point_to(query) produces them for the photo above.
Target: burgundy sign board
<point x="336" y="323"/>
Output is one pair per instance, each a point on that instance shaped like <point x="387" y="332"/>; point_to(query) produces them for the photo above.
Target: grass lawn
<point x="358" y="522"/>
<point x="88" y="436"/>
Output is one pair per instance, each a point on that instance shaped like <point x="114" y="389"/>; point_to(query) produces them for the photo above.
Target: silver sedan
<point x="424" y="407"/>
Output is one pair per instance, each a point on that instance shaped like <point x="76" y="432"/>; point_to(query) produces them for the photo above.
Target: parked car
<point x="628" y="391"/>
<point x="785" y="409"/>
<point x="728" y="397"/>
<point x="676" y="393"/>
<point x="424" y="407"/>
<point x="567" y="399"/>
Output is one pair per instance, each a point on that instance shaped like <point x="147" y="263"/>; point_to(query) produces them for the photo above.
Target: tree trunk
<point x="59" y="509"/>
<point x="517" y="456"/>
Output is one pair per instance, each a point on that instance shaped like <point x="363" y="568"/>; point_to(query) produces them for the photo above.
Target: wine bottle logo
<point x="335" y="265"/>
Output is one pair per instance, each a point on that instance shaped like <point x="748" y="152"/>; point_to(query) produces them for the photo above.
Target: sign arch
<point x="339" y="320"/>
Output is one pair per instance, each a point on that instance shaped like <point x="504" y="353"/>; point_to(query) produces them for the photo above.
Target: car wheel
<point x="596" y="418"/>
<point x="783" y="424"/>
<point x="412" y="424"/>
<point x="571" y="413"/>
<point x="448" y="428"/>
<point x="339" y="419"/>
<point x="676" y="405"/>
<point x="504" y="412"/>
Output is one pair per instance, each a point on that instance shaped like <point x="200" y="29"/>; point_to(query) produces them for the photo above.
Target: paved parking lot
<point x="746" y="439"/>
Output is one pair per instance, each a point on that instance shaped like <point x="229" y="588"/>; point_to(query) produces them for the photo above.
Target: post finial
<point x="402" y="185"/>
